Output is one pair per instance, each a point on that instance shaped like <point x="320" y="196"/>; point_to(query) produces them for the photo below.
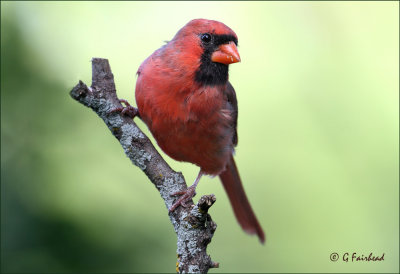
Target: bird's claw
<point x="128" y="110"/>
<point x="187" y="195"/>
<point x="183" y="204"/>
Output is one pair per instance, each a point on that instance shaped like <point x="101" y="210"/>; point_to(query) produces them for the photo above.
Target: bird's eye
<point x="205" y="37"/>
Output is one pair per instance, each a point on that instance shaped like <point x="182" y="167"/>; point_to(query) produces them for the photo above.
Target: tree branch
<point x="193" y="226"/>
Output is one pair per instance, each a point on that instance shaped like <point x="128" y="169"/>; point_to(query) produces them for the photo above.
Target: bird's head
<point x="209" y="46"/>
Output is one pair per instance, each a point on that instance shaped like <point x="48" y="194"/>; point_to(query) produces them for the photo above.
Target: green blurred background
<point x="318" y="92"/>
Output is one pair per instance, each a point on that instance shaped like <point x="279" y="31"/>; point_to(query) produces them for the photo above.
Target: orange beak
<point x="226" y="54"/>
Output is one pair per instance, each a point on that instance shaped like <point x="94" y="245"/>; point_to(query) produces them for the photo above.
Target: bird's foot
<point x="187" y="195"/>
<point x="128" y="110"/>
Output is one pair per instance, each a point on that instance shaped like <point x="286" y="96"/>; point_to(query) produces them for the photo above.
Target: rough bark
<point x="193" y="225"/>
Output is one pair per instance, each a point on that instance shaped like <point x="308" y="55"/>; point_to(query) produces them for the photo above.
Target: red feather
<point x="190" y="120"/>
<point x="241" y="207"/>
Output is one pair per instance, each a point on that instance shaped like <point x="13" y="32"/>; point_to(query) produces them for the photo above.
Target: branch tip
<point x="80" y="90"/>
<point x="214" y="265"/>
<point x="206" y="202"/>
<point x="101" y="73"/>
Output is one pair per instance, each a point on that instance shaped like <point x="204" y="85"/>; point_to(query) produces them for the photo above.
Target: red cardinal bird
<point x="184" y="96"/>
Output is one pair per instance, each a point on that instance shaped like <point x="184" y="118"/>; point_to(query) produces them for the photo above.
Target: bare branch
<point x="193" y="225"/>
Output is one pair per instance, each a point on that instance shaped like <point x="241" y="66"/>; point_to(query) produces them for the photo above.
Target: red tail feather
<point x="244" y="214"/>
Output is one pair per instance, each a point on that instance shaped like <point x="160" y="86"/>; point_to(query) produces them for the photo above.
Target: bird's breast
<point x="189" y="123"/>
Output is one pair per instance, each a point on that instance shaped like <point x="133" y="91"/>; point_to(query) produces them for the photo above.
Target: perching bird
<point x="184" y="97"/>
